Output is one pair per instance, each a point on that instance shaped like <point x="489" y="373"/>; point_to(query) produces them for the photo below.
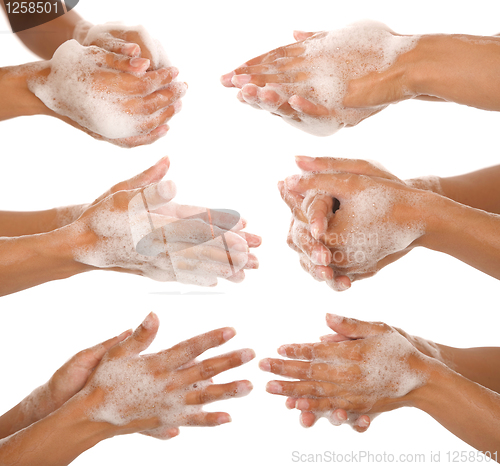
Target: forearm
<point x="30" y="223"/>
<point x="470" y="235"/>
<point x="43" y="40"/>
<point x="55" y="440"/>
<point x="15" y="97"/>
<point x="457" y="68"/>
<point x="465" y="408"/>
<point x="479" y="189"/>
<point x="479" y="365"/>
<point x="28" y="261"/>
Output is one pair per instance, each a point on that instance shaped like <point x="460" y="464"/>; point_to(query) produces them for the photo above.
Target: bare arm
<point x="43" y="40"/>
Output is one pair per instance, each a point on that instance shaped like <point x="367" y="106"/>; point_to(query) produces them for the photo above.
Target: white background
<point x="227" y="155"/>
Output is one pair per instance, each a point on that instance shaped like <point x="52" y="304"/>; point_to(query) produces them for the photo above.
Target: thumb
<point x="353" y="328"/>
<point x="301" y="35"/>
<point x="152" y="175"/>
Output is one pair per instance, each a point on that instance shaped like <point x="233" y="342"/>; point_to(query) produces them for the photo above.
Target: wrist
<point x="16" y="97"/>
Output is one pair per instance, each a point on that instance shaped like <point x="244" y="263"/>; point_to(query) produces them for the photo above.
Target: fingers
<point x="213" y="366"/>
<point x="260" y="80"/>
<point x="362" y="423"/>
<point x="219" y="392"/>
<point x="353" y="328"/>
<point x="93" y="356"/>
<point x="119" y="62"/>
<point x="292" y="369"/>
<point x="140" y="340"/>
<point x="162" y="98"/>
<point x="141" y="140"/>
<point x="113" y="44"/>
<point x="316" y="252"/>
<point x="186" y="351"/>
<point x="335" y="184"/>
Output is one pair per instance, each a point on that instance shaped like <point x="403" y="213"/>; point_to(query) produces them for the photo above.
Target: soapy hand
<point x="350" y="218"/>
<point x="125" y="101"/>
<point x="157" y="393"/>
<point x="133" y="228"/>
<point x="314" y="84"/>
<point x="361" y="370"/>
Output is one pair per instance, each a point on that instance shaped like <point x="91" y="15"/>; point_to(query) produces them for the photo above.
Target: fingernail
<point x="241" y="79"/>
<point x="292" y="181"/>
<point x="247" y="355"/>
<point x="282" y="350"/>
<point x="304" y="158"/>
<point x="131" y="49"/>
<point x="264" y="365"/>
<point x="290" y="403"/>
<point x="341" y="285"/>
<point x="223" y="418"/>
<point x="162" y="130"/>
<point x="274" y="387"/>
<point x="323" y="276"/>
<point x="240" y="246"/>
<point x="149" y="321"/>
<point x="177" y="106"/>
<point x="228" y="333"/>
<point x="174" y="72"/>
<point x="139" y="63"/>
<point x="341" y="416"/>
<point x="225" y="79"/>
<point x="363" y="422"/>
<point x="244" y="388"/>
<point x="318" y="257"/>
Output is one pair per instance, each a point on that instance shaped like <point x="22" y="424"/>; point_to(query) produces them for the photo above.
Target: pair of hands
<point x="136" y="228"/>
<point x="361" y="370"/>
<point x="350" y="218"/>
<point x="122" y="66"/>
<point x="180" y="385"/>
<point x="327" y="80"/>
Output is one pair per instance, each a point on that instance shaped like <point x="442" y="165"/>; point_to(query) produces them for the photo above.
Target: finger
<point x="318" y="272"/>
<point x="292" y="200"/>
<point x="162" y="98"/>
<point x="151" y="175"/>
<point x="307" y="419"/>
<point x="260" y="80"/>
<point x="301" y="105"/>
<point x="158" y="194"/>
<point x="311" y="389"/>
<point x="119" y="62"/>
<point x="316" y="251"/>
<point x="119" y="46"/>
<point x="353" y="328"/>
<point x="287" y="51"/>
<point x="253" y="241"/>
<point x="206" y="253"/>
<point x="140" y="340"/>
<point x="92" y="356"/>
<point x="339" y="282"/>
<point x="301" y="35"/>
<point x="292" y="369"/>
<point x="150" y="81"/>
<point x="219" y="392"/>
<point x="362" y="423"/>
<point x="207" y="419"/>
<point x="355" y="166"/>
<point x="187" y="350"/>
<point x="213" y="366"/>
<point x="212" y="269"/>
<point x="150" y="122"/>
<point x="307" y="351"/>
<point x="318" y="209"/>
<point x="334" y="338"/>
<point x="337" y="185"/>
<point x="162" y="433"/>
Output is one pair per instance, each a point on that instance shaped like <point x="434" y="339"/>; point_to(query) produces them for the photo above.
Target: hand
<point x="133" y="228"/>
<point x="351" y="218"/>
<point x="68" y="380"/>
<point x="157" y="393"/>
<point x="365" y="368"/>
<point x="132" y="41"/>
<point x="109" y="96"/>
<point x="327" y="80"/>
